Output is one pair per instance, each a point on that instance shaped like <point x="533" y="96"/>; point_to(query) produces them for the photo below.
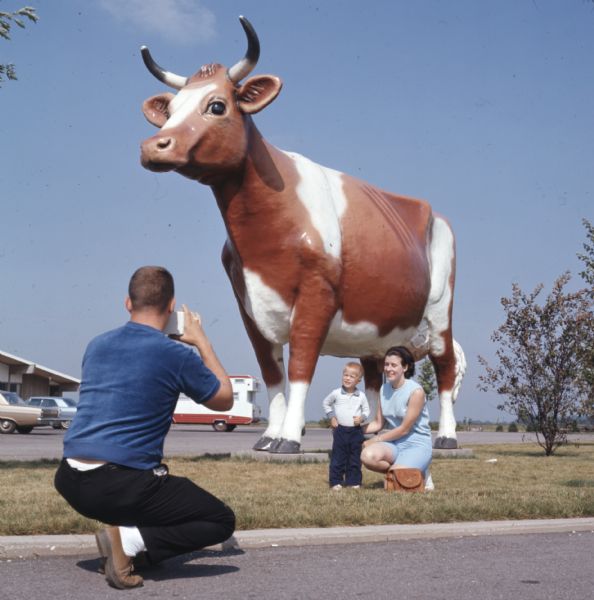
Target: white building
<point x="29" y="379"/>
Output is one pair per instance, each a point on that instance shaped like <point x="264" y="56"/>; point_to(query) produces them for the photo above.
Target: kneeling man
<point x="111" y="470"/>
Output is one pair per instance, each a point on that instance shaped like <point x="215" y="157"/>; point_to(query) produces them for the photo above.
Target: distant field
<point x="518" y="483"/>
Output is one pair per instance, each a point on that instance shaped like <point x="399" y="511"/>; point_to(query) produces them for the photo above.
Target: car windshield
<point x="70" y="402"/>
<point x="61" y="402"/>
<point x="13" y="398"/>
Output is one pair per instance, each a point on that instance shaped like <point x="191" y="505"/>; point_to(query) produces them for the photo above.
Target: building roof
<point x="35" y="369"/>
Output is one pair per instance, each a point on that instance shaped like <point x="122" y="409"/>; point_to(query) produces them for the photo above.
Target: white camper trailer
<point x="243" y="412"/>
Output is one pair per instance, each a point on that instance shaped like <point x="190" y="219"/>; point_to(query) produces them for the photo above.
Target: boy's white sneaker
<point x="336" y="488"/>
<point x="429" y="485"/>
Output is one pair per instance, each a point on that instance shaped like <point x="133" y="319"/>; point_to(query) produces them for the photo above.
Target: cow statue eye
<point x="216" y="108"/>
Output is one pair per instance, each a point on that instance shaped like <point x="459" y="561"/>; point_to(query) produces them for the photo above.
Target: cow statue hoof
<point x="445" y="443"/>
<point x="264" y="443"/>
<point x="286" y="447"/>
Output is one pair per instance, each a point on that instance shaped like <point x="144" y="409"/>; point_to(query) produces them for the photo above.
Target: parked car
<point x="16" y="415"/>
<point x="57" y="412"/>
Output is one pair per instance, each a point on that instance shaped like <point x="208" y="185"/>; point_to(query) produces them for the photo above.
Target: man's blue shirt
<point x="131" y="379"/>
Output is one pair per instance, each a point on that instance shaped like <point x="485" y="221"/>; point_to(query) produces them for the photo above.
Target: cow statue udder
<point x="317" y="259"/>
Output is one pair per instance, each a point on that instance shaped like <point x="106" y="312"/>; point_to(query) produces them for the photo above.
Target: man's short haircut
<point x="355" y="365"/>
<point x="406" y="358"/>
<point x="151" y="288"/>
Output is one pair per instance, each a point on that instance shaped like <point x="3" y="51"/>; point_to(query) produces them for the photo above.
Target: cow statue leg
<point x="311" y="318"/>
<point x="449" y="371"/>
<point x="445" y="353"/>
<point x="290" y="439"/>
<point x="277" y="405"/>
<point x="272" y="367"/>
<point x="269" y="355"/>
<point x="372" y="370"/>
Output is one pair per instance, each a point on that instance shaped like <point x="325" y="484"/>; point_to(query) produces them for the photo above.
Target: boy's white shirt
<point x="346" y="405"/>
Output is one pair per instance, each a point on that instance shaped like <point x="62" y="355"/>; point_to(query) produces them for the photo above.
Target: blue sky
<point x="482" y="108"/>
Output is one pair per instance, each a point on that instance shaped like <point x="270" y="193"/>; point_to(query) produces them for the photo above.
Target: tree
<point x="7" y="19"/>
<point x="587" y="378"/>
<point x="426" y="379"/>
<point x="540" y="353"/>
<point x="588" y="258"/>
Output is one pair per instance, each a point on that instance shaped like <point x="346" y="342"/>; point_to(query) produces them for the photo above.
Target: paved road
<point x="45" y="442"/>
<point x="550" y="566"/>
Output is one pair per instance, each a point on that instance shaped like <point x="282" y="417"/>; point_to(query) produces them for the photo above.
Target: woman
<point x="403" y="412"/>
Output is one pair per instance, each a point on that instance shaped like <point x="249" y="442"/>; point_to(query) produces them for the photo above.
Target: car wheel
<point x="220" y="426"/>
<point x="24" y="428"/>
<point x="7" y="426"/>
<point x="64" y="424"/>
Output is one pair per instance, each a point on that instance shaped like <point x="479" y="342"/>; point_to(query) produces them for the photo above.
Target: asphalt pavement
<point x="20" y="547"/>
<point x="194" y="440"/>
<point x="472" y="561"/>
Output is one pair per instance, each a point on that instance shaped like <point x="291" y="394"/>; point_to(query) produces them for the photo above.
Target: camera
<point x="175" y="325"/>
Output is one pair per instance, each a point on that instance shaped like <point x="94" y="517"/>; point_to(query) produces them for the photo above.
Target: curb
<point x="26" y="547"/>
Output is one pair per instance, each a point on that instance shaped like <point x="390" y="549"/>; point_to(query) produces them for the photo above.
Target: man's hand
<point x="334" y="422"/>
<point x="357" y="420"/>
<point x="193" y="332"/>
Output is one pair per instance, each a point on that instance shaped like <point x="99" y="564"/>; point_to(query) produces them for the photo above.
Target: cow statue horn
<point x="171" y="79"/>
<point x="246" y="65"/>
<point x="235" y="73"/>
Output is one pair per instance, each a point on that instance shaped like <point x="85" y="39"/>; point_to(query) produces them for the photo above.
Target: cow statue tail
<point x="460" y="369"/>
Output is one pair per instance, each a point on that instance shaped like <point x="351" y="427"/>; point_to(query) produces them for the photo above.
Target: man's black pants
<point x="345" y="463"/>
<point x="173" y="514"/>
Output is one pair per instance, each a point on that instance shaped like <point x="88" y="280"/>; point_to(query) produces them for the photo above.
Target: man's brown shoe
<point x="139" y="562"/>
<point x="118" y="566"/>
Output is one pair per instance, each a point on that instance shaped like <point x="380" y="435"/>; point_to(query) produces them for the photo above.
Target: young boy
<point x="347" y="408"/>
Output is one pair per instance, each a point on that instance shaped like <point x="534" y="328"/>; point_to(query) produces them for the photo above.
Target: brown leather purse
<point x="404" y="480"/>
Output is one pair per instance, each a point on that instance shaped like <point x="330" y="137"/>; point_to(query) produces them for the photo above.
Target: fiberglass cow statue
<point x="317" y="259"/>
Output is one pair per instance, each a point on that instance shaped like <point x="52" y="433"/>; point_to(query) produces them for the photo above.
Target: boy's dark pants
<point x="345" y="464"/>
<point x="173" y="514"/>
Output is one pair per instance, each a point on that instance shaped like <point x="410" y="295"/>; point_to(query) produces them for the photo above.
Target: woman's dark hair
<point x="151" y="287"/>
<point x="406" y="358"/>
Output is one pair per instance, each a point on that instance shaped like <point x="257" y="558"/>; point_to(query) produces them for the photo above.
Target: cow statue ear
<point x="258" y="92"/>
<point x="156" y="109"/>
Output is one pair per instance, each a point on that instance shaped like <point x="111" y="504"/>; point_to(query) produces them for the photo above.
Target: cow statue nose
<point x="165" y="143"/>
<point x="160" y="153"/>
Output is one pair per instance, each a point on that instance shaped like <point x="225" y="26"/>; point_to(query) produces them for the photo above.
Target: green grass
<point x="522" y="484"/>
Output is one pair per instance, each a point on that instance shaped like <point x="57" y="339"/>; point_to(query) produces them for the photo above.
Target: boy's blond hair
<point x="356" y="365"/>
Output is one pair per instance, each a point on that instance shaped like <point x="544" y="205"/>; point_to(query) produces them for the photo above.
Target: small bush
<point x="512" y="428"/>
<point x="499" y="427"/>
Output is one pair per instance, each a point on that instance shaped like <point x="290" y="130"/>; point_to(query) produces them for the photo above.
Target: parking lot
<point x="45" y="442"/>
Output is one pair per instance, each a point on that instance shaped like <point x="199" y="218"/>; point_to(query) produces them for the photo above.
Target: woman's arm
<point x="416" y="402"/>
<point x="377" y="423"/>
